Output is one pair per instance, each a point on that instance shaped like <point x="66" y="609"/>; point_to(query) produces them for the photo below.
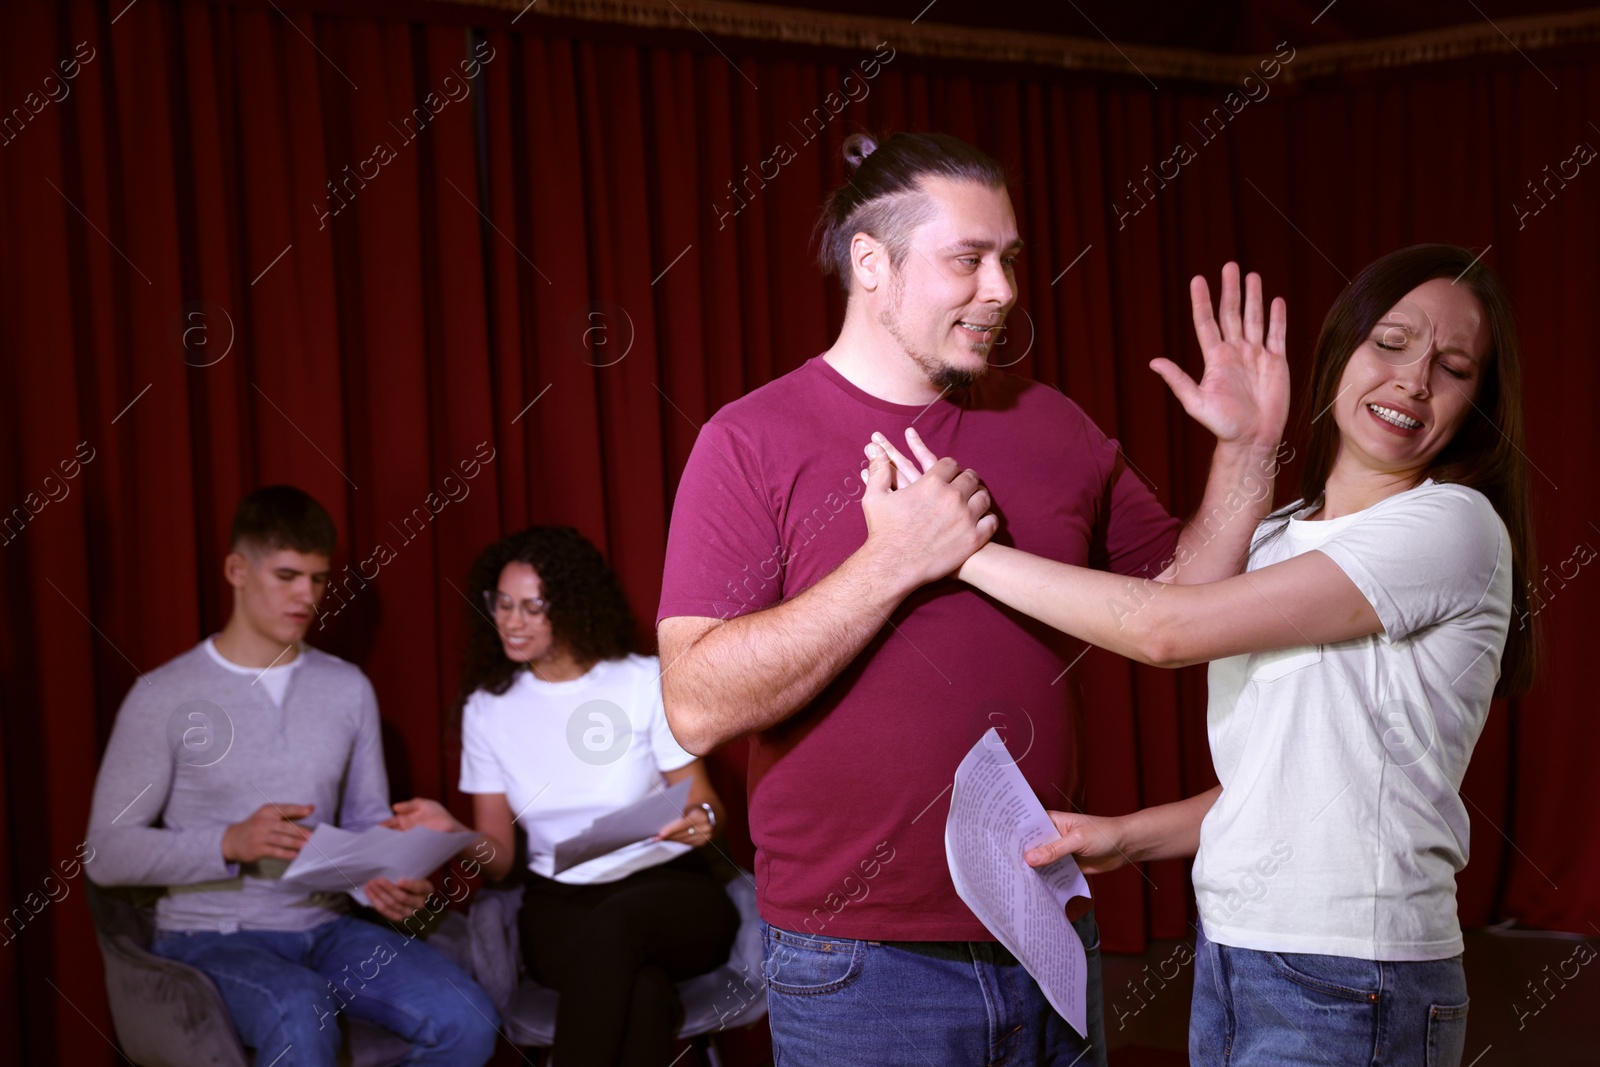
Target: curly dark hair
<point x="587" y="610"/>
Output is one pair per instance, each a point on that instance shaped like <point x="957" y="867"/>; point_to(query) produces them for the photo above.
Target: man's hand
<point x="1243" y="395"/>
<point x="1095" y="842"/>
<point x="933" y="522"/>
<point x="398" y="900"/>
<point x="270" y="831"/>
<point x="420" y="811"/>
<point x="906" y="472"/>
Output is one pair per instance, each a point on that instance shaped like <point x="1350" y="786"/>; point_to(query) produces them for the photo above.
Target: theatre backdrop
<point x="456" y="268"/>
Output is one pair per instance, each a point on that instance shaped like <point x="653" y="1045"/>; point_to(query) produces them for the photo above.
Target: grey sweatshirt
<point x="197" y="747"/>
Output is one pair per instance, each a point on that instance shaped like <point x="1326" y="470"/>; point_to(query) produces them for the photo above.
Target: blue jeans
<point x="1285" y="1009"/>
<point x="835" y="1002"/>
<point x="286" y="991"/>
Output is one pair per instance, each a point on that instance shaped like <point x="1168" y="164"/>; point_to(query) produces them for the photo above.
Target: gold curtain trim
<point x="796" y="26"/>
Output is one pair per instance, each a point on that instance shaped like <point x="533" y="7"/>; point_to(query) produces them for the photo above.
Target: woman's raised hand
<point x="1243" y="395"/>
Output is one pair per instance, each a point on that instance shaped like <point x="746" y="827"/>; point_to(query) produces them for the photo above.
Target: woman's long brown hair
<point x="1486" y="453"/>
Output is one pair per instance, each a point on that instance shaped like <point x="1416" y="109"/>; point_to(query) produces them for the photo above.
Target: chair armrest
<point x="495" y="960"/>
<point x="167" y="1013"/>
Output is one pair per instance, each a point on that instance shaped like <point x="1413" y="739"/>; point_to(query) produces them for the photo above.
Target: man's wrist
<point x="230" y="863"/>
<point x="881" y="575"/>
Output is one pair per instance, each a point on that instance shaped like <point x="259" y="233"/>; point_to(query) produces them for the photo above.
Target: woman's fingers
<point x="693" y="829"/>
<point x="880" y="474"/>
<point x="923" y="453"/>
<point x="1049" y="852"/>
<point x="906" y="471"/>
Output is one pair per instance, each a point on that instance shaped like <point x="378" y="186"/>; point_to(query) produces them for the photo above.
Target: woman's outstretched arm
<point x="1102" y="843"/>
<point x="1307" y="600"/>
<point x="491" y="812"/>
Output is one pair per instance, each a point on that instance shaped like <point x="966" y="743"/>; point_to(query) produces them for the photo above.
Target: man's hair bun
<point x="887" y="200"/>
<point x="857" y="147"/>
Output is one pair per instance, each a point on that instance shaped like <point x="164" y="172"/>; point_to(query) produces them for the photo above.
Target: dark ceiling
<point x="1228" y="26"/>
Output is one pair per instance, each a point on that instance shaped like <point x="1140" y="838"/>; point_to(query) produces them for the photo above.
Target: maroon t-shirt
<point x="848" y="797"/>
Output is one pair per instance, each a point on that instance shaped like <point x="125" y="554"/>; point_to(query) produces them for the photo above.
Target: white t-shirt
<point x="274" y="680"/>
<point x="564" y="753"/>
<point x="1340" y="826"/>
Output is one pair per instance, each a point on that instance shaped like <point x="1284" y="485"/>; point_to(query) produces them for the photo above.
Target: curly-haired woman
<point x="563" y="723"/>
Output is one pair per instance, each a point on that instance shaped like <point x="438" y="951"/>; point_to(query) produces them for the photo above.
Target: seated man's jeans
<point x="287" y="990"/>
<point x="1280" y="1009"/>
<point x="836" y="1002"/>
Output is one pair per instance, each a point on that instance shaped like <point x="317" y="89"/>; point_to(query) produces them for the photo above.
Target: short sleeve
<point x="1140" y="537"/>
<point x="721" y="522"/>
<point x="1424" y="557"/>
<point x="669" y="755"/>
<point x="480" y="770"/>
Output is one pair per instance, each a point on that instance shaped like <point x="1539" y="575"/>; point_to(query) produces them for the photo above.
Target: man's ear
<point x="869" y="261"/>
<point x="235" y="568"/>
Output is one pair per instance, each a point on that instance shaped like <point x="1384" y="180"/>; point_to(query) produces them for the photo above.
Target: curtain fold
<point x="457" y="280"/>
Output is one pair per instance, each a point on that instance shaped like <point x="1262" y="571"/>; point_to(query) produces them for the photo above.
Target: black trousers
<point x="614" y="951"/>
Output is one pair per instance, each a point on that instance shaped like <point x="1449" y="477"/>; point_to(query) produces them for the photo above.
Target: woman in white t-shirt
<point x="563" y="725"/>
<point x="1352" y="668"/>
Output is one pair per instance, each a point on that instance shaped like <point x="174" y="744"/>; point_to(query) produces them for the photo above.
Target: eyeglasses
<point x="502" y="606"/>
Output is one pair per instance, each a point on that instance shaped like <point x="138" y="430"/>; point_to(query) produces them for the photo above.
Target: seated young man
<point x="217" y="760"/>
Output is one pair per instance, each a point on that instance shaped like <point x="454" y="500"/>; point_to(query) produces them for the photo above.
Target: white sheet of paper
<point x="995" y="818"/>
<point x="342" y="861"/>
<point x="637" y="822"/>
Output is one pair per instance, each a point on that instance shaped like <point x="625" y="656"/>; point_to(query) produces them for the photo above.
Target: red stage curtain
<point x="544" y="283"/>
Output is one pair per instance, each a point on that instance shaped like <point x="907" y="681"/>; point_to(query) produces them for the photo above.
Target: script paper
<point x="342" y="861"/>
<point x="995" y="818"/>
<point x="636" y="823"/>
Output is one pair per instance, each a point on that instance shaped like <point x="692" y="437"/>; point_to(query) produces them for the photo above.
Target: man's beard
<point x="940" y="375"/>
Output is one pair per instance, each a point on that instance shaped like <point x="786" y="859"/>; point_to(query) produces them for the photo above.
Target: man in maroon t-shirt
<point x="836" y="635"/>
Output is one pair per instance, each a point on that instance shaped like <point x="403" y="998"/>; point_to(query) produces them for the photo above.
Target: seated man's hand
<point x="269" y="831"/>
<point x="1094" y="841"/>
<point x="420" y="811"/>
<point x="398" y="900"/>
